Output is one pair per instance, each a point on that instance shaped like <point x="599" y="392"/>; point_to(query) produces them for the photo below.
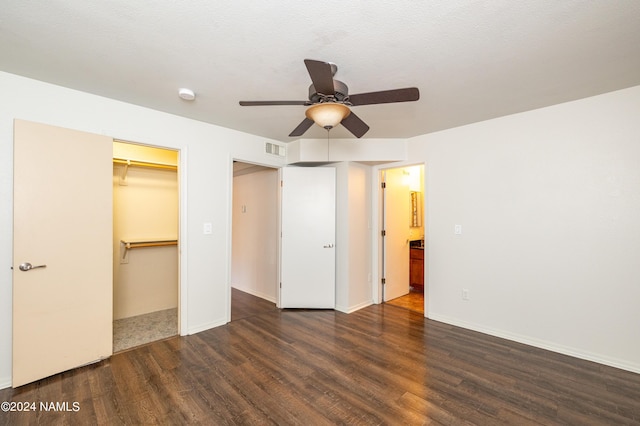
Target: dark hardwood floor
<point x="379" y="365"/>
<point x="244" y="305"/>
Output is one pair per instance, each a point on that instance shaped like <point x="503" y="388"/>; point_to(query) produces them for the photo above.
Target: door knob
<point x="27" y="266"/>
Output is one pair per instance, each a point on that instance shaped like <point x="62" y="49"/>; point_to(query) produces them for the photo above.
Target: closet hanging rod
<point x="127" y="162"/>
<point x="136" y="244"/>
<point x="128" y="245"/>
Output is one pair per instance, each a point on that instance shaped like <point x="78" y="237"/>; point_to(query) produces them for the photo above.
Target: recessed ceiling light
<point x="187" y="94"/>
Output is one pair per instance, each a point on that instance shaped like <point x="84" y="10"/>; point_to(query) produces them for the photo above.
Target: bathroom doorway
<point x="403" y="237"/>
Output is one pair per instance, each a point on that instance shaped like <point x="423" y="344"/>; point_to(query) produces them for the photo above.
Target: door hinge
<point x="383" y="233"/>
<point x="281" y="184"/>
<point x="280" y="285"/>
<point x="384" y="281"/>
<point x="383" y="185"/>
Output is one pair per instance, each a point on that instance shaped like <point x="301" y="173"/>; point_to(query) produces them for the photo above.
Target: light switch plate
<point x="207" y="228"/>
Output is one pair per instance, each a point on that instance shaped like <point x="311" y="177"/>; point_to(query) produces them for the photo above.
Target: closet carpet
<point x="141" y="329"/>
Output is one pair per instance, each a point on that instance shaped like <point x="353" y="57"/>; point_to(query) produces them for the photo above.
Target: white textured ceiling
<point x="471" y="60"/>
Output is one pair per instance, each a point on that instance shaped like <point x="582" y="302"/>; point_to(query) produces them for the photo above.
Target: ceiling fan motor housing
<point x="341" y="93"/>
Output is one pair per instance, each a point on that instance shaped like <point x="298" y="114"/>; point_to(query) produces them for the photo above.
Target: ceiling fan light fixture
<point x="327" y="114"/>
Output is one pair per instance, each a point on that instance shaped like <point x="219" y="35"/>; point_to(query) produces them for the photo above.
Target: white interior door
<point x="62" y="304"/>
<point x="308" y="227"/>
<point x="397" y="218"/>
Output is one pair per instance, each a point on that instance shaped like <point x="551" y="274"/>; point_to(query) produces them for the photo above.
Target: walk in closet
<point x="145" y="242"/>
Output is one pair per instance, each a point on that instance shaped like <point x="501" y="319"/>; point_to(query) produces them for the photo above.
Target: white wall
<point x="549" y="202"/>
<point x="335" y="150"/>
<point x="353" y="239"/>
<point x="206" y="159"/>
<point x="255" y="234"/>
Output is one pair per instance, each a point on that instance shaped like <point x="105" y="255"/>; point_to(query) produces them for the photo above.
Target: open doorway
<point x="254" y="240"/>
<point x="145" y="240"/>
<point x="403" y="237"/>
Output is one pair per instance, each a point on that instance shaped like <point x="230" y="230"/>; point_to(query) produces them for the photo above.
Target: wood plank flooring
<point x="414" y="301"/>
<point x="379" y="365"/>
<point x="244" y="305"/>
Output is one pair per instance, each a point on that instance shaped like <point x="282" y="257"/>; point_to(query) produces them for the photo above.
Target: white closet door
<point x="308" y="258"/>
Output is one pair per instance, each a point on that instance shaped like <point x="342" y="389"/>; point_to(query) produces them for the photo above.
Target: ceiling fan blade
<point x="321" y="76"/>
<point x="302" y="127"/>
<point x="355" y="125"/>
<point x="385" y="96"/>
<point x="266" y="103"/>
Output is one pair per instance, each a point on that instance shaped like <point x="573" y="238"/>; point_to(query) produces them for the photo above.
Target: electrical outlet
<point x="457" y="229"/>
<point x="465" y="294"/>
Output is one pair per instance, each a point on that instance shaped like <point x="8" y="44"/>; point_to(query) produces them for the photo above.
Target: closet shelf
<point x="132" y="244"/>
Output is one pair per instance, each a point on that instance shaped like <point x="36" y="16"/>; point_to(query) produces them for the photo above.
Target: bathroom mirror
<point x="416" y="211"/>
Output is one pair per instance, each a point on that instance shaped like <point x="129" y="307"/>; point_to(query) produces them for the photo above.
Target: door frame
<point x="182" y="228"/>
<point x="376" y="239"/>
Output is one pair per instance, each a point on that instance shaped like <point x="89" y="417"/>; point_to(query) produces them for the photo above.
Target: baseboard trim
<point x="351" y="309"/>
<point x="257" y="294"/>
<point x="5" y="382"/>
<point x="204" y="327"/>
<point x="538" y="343"/>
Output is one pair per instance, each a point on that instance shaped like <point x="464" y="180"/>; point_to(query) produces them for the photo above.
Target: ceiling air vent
<point x="274" y="149"/>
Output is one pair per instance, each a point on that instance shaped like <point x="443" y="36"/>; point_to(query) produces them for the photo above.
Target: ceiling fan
<point x="329" y="101"/>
